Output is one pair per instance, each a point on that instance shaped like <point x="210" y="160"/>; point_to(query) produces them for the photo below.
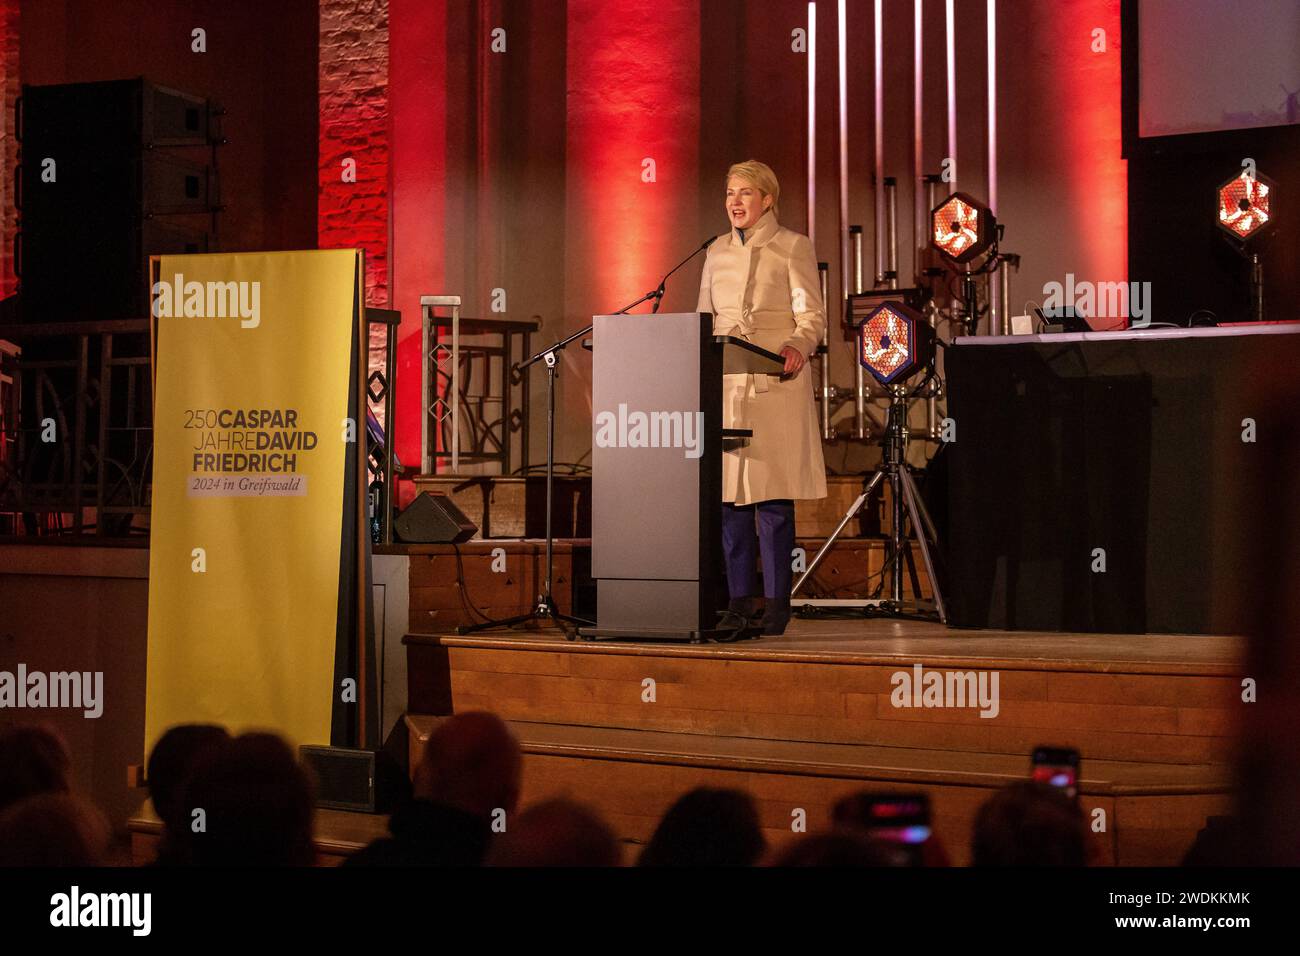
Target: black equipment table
<point x="1123" y="446"/>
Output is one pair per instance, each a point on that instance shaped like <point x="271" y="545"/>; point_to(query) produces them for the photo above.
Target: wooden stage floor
<point x="883" y="640"/>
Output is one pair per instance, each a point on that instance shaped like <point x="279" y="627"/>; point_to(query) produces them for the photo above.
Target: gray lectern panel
<point x="651" y="605"/>
<point x="656" y="468"/>
<point x="645" y="510"/>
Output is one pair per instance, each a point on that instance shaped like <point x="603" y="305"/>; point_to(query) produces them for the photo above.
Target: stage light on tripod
<point x="1246" y="206"/>
<point x="895" y="342"/>
<point x="962" y="227"/>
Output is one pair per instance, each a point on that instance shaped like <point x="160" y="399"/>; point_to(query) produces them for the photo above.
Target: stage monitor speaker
<point x="433" y="519"/>
<point x="367" y="781"/>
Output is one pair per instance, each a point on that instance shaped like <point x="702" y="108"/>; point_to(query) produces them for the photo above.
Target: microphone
<point x="659" y="292"/>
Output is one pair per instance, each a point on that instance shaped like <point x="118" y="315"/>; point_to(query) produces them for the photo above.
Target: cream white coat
<point x="766" y="290"/>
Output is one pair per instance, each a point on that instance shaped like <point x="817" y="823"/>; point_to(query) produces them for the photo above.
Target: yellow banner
<point x="252" y="356"/>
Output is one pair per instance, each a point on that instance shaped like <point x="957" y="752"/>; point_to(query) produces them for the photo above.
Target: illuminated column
<point x="418" y="107"/>
<point x="632" y="166"/>
<point x="632" y="148"/>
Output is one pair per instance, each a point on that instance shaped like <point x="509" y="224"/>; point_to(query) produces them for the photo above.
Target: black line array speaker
<point x="433" y="519"/>
<point x="110" y="174"/>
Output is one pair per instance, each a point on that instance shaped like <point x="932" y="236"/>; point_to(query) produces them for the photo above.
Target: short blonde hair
<point x="759" y="175"/>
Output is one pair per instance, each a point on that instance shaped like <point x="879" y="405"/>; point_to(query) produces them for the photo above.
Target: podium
<point x="656" y="512"/>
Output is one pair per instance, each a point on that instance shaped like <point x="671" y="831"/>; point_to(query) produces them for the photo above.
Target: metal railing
<point x="81" y="436"/>
<point x="382" y="466"/>
<point x="76" y="428"/>
<point x="473" y="394"/>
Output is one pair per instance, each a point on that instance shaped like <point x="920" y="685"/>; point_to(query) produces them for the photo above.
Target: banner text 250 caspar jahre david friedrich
<point x="252" y="355"/>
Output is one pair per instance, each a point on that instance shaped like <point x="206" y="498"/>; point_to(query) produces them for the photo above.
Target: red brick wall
<point x="8" y="141"/>
<point x="354" y="125"/>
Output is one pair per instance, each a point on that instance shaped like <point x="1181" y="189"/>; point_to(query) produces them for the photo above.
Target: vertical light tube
<point x="824" y="276"/>
<point x="824" y="361"/>
<point x="997" y="302"/>
<point x="950" y="18"/>
<point x="842" y="56"/>
<point x="952" y="97"/>
<point x="932" y="315"/>
<point x="812" y="124"/>
<point x="859" y="376"/>
<point x="855" y="244"/>
<point x="891" y="232"/>
<point x="932" y="398"/>
<point x="880" y="140"/>
<point x="920" y="230"/>
<point x="1004" y="291"/>
<point x="993" y="104"/>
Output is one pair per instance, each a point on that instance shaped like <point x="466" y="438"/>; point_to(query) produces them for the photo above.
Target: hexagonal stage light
<point x="1246" y="206"/>
<point x="895" y="342"/>
<point x="962" y="227"/>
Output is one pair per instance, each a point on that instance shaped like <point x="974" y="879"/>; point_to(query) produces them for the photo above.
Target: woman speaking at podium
<point x="760" y="283"/>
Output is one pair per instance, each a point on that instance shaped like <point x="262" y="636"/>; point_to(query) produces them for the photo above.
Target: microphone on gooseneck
<point x="658" y="294"/>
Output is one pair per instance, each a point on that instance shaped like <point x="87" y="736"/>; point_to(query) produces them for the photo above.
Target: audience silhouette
<point x="469" y="779"/>
<point x="1029" y="824"/>
<point x="707" y="828"/>
<point x="247" y="801"/>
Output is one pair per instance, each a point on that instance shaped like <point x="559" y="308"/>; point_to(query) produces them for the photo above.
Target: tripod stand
<point x="969" y="303"/>
<point x="907" y="503"/>
<point x="544" y="608"/>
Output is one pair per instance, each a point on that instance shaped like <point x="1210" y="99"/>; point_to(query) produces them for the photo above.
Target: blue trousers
<point x="766" y="527"/>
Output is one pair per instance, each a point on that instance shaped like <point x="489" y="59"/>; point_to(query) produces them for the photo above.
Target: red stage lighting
<point x="1245" y="206"/>
<point x="962" y="227"/>
<point x="894" y="343"/>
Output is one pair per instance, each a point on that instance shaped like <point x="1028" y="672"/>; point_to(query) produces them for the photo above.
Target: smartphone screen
<point x="900" y="819"/>
<point x="1057" y="766"/>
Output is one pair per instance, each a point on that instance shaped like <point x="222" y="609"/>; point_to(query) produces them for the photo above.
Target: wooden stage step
<point x="1144" y="698"/>
<point x="1151" y="811"/>
<point x="800" y="720"/>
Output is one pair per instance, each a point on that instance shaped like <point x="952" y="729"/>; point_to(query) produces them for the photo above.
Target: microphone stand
<point x="544" y="608"/>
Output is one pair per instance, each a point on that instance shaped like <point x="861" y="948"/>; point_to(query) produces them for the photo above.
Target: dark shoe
<point x="746" y="607"/>
<point x="776" y="616"/>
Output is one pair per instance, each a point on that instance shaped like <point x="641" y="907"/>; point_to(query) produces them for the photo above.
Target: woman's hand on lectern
<point x="794" y="361"/>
